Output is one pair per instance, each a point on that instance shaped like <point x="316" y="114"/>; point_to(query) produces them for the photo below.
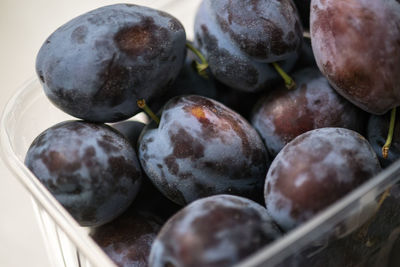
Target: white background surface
<point x="24" y="25"/>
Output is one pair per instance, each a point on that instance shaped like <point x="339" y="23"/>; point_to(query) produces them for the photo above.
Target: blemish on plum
<point x="79" y="34"/>
<point x="185" y="146"/>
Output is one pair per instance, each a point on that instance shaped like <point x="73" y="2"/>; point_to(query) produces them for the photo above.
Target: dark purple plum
<point x="356" y="46"/>
<point x="378" y="128"/>
<point x="203" y="148"/>
<point x="214" y="231"/>
<point x="128" y="239"/>
<point x="96" y="66"/>
<point x="314" y="170"/>
<point x="283" y="114"/>
<point x="239" y="39"/>
<point x="91" y="169"/>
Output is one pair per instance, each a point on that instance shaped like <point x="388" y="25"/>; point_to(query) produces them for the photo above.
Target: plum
<point x="314" y="170"/>
<point x="203" y="148"/>
<point x="356" y="46"/>
<point x="128" y="239"/>
<point x="240" y="38"/>
<point x="282" y="115"/>
<point x="377" y="131"/>
<point x="96" y="66"/>
<point x="91" y="169"/>
<point x="214" y="231"/>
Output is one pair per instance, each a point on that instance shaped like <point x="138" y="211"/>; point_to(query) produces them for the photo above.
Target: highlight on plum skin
<point x="91" y="169"/>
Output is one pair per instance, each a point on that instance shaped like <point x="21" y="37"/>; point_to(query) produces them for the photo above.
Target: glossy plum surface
<point x="91" y="169"/>
<point x="314" y="170"/>
<point x="214" y="231"/>
<point x="203" y="148"/>
<point x="96" y="66"/>
<point x="377" y="132"/>
<point x="284" y="114"/>
<point x="356" y="46"/>
<point x="240" y="39"/>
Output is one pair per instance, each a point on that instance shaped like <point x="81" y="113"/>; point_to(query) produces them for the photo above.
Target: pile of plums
<point x="231" y="159"/>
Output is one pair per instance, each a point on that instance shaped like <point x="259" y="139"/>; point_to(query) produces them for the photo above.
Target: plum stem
<point x="307" y="35"/>
<point x="289" y="82"/>
<point x="142" y="104"/>
<point x="386" y="146"/>
<point x="200" y="66"/>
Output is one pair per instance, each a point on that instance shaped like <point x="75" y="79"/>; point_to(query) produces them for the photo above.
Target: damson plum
<point x="91" y="169"/>
<point x="203" y="148"/>
<point x="240" y="38"/>
<point x="96" y="66"/>
<point x="314" y="170"/>
<point x="214" y="231"/>
<point x="378" y="128"/>
<point x="284" y="114"/>
<point x="356" y="46"/>
<point x="128" y="239"/>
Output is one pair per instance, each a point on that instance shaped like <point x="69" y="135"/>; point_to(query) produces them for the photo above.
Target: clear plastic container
<point x="332" y="234"/>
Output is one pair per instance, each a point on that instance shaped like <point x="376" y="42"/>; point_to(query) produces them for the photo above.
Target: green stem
<point x="142" y="104"/>
<point x="289" y="82"/>
<point x="386" y="146"/>
<point x="202" y="65"/>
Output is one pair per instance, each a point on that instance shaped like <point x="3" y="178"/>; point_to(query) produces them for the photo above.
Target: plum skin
<point x="314" y="170"/>
<point x="91" y="169"/>
<point x="282" y="115"/>
<point x="219" y="231"/>
<point x="96" y="66"/>
<point x="356" y="46"/>
<point x="243" y="65"/>
<point x="127" y="240"/>
<point x="202" y="148"/>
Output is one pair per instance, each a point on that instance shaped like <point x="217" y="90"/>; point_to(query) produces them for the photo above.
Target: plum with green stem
<point x="240" y="41"/>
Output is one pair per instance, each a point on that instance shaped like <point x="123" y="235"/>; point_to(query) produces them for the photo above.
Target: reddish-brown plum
<point x="356" y="44"/>
<point x="314" y="170"/>
<point x="239" y="39"/>
<point x="91" y="169"/>
<point x="203" y="148"/>
<point x="284" y="114"/>
<point x="215" y="231"/>
<point x="377" y="132"/>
